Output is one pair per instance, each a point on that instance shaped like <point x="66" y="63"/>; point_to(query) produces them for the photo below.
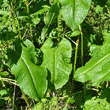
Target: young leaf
<point x="56" y="58"/>
<point x="75" y="33"/>
<point x="74" y="11"/>
<point x="30" y="77"/>
<point x="49" y="19"/>
<point x="5" y="73"/>
<point x="97" y="69"/>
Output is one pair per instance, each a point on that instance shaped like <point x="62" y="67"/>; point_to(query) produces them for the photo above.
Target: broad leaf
<point x="74" y="11"/>
<point x="98" y="68"/>
<point x="30" y="77"/>
<point x="56" y="58"/>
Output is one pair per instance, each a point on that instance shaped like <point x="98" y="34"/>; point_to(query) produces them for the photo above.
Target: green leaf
<point x="36" y="20"/>
<point x="3" y="92"/>
<point x="30" y="77"/>
<point x="97" y="69"/>
<point x="34" y="16"/>
<point x="4" y="13"/>
<point x="49" y="19"/>
<point x="98" y="9"/>
<point x="96" y="104"/>
<point x="51" y="15"/>
<point x="5" y="73"/>
<point x="38" y="106"/>
<point x="106" y="35"/>
<point x="55" y="1"/>
<point x="75" y="33"/>
<point x="56" y="58"/>
<point x="41" y="11"/>
<point x="74" y="11"/>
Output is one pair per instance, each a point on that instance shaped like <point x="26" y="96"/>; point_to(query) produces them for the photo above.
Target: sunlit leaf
<point x="74" y="11"/>
<point x="30" y="77"/>
<point x="56" y="58"/>
<point x="97" y="69"/>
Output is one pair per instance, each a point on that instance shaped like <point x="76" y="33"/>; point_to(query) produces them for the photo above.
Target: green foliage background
<point x="54" y="54"/>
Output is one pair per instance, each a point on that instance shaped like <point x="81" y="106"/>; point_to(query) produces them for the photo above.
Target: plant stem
<point x="82" y="56"/>
<point x="75" y="61"/>
<point x="28" y="12"/>
<point x="14" y="93"/>
<point x="103" y="22"/>
<point x="26" y="100"/>
<point x="15" y="19"/>
<point x="9" y="80"/>
<point x="82" y="53"/>
<point x="3" y="84"/>
<point x="58" y="24"/>
<point x="67" y="103"/>
<point x="50" y="2"/>
<point x="12" y="10"/>
<point x="18" y="28"/>
<point x="14" y="25"/>
<point x="58" y="27"/>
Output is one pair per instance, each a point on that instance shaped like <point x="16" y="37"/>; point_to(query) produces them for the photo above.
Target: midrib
<point x="30" y="76"/>
<point x="96" y="64"/>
